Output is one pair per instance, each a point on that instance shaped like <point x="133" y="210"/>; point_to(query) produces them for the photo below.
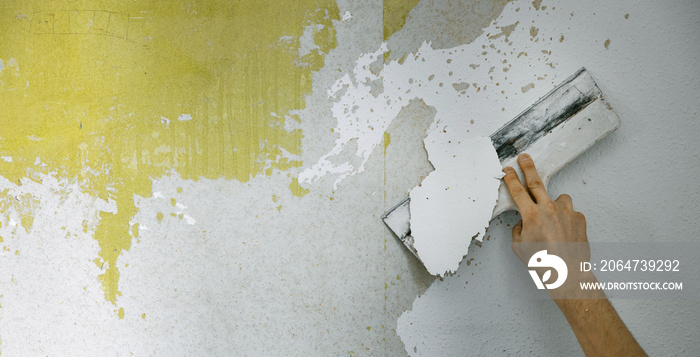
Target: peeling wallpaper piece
<point x="455" y="202"/>
<point x="99" y="88"/>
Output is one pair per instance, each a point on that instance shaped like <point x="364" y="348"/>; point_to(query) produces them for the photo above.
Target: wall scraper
<point x="554" y="131"/>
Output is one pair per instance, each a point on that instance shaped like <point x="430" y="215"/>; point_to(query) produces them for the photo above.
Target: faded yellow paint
<point x="24" y="206"/>
<point x="115" y="93"/>
<point x="395" y="13"/>
<point x="121" y="313"/>
<point x="135" y="230"/>
<point x="297" y="189"/>
<point x="159" y="216"/>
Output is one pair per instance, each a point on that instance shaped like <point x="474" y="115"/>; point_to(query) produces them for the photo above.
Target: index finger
<point x="520" y="195"/>
<point x="532" y="178"/>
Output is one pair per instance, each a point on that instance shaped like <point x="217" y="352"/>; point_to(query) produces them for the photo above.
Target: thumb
<point x="517" y="229"/>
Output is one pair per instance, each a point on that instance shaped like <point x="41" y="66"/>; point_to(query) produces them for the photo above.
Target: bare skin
<point x="596" y="324"/>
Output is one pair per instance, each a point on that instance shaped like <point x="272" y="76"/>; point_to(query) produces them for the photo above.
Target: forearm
<point x="598" y="327"/>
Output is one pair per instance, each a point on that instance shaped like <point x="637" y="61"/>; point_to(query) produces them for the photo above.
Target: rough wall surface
<point x="229" y="204"/>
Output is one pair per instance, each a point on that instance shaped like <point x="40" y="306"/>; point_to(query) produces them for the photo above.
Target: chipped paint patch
<point x="534" y="31"/>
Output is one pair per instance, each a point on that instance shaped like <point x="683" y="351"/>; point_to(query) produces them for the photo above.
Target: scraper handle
<point x="560" y="146"/>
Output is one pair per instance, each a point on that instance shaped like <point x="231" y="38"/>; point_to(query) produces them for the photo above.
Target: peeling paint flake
<point x="455" y="202"/>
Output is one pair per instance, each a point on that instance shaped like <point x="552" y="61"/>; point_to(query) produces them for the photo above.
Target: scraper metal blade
<point x="554" y="131"/>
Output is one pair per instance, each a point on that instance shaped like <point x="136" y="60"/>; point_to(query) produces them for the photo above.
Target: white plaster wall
<point x="323" y="277"/>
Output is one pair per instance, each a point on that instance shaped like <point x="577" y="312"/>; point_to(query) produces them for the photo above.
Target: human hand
<point x="545" y="222"/>
<point x="554" y="225"/>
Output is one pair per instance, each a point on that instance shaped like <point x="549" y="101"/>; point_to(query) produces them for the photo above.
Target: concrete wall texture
<point x="207" y="177"/>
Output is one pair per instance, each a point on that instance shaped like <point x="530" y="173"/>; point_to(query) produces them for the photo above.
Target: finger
<point x="517" y="230"/>
<point x="520" y="196"/>
<point x="532" y="178"/>
<point x="564" y="202"/>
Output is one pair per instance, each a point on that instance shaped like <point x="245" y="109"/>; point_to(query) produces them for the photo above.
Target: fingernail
<point x="507" y="169"/>
<point x="525" y="156"/>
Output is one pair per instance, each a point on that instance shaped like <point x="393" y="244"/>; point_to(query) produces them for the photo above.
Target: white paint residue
<point x="7" y="158"/>
<point x="367" y="99"/>
<point x="12" y="63"/>
<point x="347" y="16"/>
<point x="454" y="203"/>
<point x="185" y="117"/>
<point x="190" y="220"/>
<point x="357" y="119"/>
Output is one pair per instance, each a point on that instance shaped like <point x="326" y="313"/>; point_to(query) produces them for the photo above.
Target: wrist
<point x="572" y="288"/>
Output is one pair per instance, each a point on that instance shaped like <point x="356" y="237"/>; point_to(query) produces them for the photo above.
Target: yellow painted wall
<point x="94" y="90"/>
